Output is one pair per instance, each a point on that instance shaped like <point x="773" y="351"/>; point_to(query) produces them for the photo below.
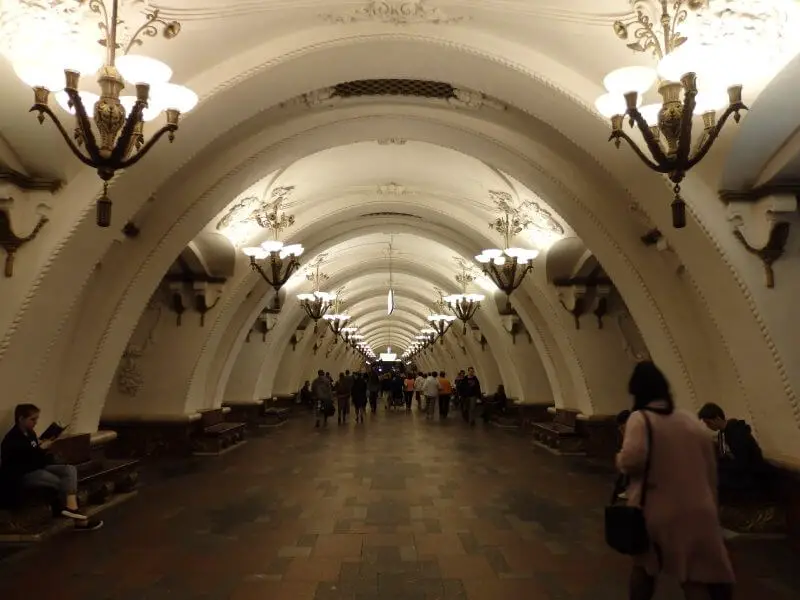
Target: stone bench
<point x="561" y="434"/>
<point x="215" y="434"/>
<point x="521" y="414"/>
<point x="756" y="511"/>
<point x="102" y="482"/>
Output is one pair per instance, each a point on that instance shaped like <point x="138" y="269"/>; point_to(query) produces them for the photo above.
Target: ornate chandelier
<point x="336" y="320"/>
<point x="509" y="266"/>
<point x="317" y="303"/>
<point x="464" y="305"/>
<point x="666" y="127"/>
<point x="281" y="260"/>
<point x="441" y="324"/>
<point x="46" y="55"/>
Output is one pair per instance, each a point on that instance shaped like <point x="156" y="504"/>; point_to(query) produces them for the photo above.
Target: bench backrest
<point x="569" y="418"/>
<point x="73" y="449"/>
<point x="212" y="417"/>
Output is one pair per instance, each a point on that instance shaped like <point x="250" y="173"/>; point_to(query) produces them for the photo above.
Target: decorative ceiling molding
<point x="395" y="12"/>
<point x="470" y="99"/>
<point x="526" y="212"/>
<point x="392" y="142"/>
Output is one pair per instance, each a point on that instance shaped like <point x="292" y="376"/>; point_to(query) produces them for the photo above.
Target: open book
<point x="53" y="431"/>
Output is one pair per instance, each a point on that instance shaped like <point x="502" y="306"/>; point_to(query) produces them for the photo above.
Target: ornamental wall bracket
<point x="600" y="300"/>
<point x="762" y="227"/>
<point x="176" y="302"/>
<point x="10" y="241"/>
<point x="512" y="324"/>
<point x="202" y="292"/>
<point x="573" y="300"/>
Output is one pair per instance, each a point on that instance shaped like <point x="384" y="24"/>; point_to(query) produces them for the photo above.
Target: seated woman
<point x="26" y="463"/>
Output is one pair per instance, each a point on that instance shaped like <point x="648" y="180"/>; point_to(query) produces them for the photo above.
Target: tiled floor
<point x="396" y="509"/>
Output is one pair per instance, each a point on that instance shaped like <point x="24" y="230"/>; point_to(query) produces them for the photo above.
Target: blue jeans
<point x="61" y="478"/>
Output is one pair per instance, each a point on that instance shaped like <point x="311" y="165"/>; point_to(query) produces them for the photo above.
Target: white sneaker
<point x="73" y="514"/>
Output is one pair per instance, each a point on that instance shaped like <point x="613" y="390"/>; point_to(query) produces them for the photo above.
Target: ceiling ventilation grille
<point x="395" y="87"/>
<point x="390" y="214"/>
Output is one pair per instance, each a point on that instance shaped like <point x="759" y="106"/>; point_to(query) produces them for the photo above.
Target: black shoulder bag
<point x="626" y="529"/>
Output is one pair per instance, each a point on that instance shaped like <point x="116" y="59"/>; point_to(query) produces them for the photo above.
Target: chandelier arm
<point x="685" y="134"/>
<point x="652" y="143"/>
<point x="84" y="124"/>
<point x="87" y="160"/>
<point x="149" y="29"/>
<point x="659" y="168"/>
<point x="713" y="134"/>
<point x="123" y="145"/>
<point x="169" y="128"/>
<point x="257" y="267"/>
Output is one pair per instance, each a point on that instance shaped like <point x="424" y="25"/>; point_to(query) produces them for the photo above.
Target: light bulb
<point x="630" y="79"/>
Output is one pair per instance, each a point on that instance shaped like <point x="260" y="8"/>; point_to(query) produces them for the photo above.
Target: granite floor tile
<point x="396" y="509"/>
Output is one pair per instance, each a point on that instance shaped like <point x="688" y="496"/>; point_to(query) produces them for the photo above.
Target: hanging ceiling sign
<point x="390" y="302"/>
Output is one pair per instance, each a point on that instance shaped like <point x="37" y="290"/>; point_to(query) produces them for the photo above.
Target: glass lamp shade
<point x="89" y="99"/>
<point x="650" y="113"/>
<point x="174" y="96"/>
<point x="40" y="73"/>
<point x="150" y="113"/>
<point x="135" y="69"/>
<point x="272" y="246"/>
<point x="710" y="101"/>
<point x="435" y="318"/>
<point x="630" y="79"/>
<point x="337" y="317"/>
<point x="474" y="297"/>
<point x="255" y="252"/>
<point x="306" y="297"/>
<point x="610" y="104"/>
<point x="292" y="250"/>
<point x="324" y="296"/>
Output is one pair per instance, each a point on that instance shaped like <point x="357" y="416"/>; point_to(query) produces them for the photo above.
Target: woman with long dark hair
<point x="681" y="506"/>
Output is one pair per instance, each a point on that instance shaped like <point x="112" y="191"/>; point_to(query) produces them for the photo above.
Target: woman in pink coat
<point x="681" y="505"/>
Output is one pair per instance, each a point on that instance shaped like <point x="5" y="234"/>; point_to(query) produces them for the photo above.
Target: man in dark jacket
<point x="740" y="462"/>
<point x="471" y="390"/>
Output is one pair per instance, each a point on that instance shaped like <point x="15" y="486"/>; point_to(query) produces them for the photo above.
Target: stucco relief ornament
<point x="321" y="97"/>
<point x="472" y="100"/>
<point x="393" y="189"/>
<point x="129" y="377"/>
<point x="397" y="12"/>
<point x="252" y="208"/>
<point x="542" y="218"/>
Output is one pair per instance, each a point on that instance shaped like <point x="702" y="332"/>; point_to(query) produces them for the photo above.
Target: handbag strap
<point x="646" y="474"/>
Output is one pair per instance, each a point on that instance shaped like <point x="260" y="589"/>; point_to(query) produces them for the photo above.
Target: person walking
<point x="323" y="396"/>
<point x="419" y="383"/>
<point x="471" y="392"/>
<point x="359" y="395"/>
<point x="669" y="454"/>
<point x="408" y="390"/>
<point x="431" y="393"/>
<point x="343" y="389"/>
<point x="373" y="389"/>
<point x="445" y="392"/>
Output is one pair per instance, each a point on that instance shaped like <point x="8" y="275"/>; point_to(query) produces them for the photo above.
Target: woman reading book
<point x="26" y="462"/>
